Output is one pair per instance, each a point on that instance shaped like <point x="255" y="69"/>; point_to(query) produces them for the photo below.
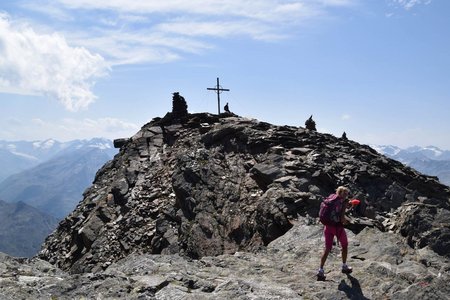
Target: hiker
<point x="332" y="215"/>
<point x="226" y="108"/>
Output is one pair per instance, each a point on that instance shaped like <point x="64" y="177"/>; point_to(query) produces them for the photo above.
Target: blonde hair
<point x="342" y="189"/>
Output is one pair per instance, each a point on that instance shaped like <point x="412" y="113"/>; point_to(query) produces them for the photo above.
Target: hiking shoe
<point x="347" y="270"/>
<point x="321" y="275"/>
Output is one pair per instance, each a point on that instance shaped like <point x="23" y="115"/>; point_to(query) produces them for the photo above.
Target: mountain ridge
<point x="224" y="207"/>
<point x="207" y="185"/>
<point x="56" y="185"/>
<point x="429" y="160"/>
<point x="53" y="186"/>
<point x="23" y="228"/>
<point x="431" y="152"/>
<point x="18" y="156"/>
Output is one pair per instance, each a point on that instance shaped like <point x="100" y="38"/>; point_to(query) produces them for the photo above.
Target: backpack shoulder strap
<point x="331" y="197"/>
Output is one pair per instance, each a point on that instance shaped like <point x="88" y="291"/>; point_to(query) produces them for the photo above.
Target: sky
<point x="376" y="69"/>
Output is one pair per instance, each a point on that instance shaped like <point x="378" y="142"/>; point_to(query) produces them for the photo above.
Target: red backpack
<point x="330" y="210"/>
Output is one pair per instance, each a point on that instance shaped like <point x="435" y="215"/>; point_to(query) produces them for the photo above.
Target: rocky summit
<point x="204" y="206"/>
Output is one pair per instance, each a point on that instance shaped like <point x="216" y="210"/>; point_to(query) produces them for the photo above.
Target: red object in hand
<point x="354" y="202"/>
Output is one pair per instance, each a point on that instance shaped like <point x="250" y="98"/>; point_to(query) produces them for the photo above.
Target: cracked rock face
<point x="385" y="267"/>
<point x="207" y="185"/>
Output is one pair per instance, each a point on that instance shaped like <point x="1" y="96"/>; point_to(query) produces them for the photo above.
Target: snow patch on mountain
<point x="428" y="160"/>
<point x="414" y="152"/>
<point x="386" y="149"/>
<point x="101" y="146"/>
<point x="47" y="144"/>
<point x="20" y="155"/>
<point x="26" y="156"/>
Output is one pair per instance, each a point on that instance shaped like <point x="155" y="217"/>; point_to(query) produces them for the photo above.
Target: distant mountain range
<point x="23" y="228"/>
<point x="50" y="175"/>
<point x="429" y="160"/>
<point x="18" y="156"/>
<point x="43" y="176"/>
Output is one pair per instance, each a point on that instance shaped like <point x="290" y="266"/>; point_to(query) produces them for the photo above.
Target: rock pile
<point x="208" y="185"/>
<point x="310" y="124"/>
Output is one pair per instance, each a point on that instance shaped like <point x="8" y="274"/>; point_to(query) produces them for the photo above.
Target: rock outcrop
<point x="209" y="185"/>
<point x="385" y="267"/>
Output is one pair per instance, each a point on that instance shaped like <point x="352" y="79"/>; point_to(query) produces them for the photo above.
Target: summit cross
<point x="218" y="90"/>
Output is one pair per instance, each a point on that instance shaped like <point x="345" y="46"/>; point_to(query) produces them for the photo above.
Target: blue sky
<point x="376" y="69"/>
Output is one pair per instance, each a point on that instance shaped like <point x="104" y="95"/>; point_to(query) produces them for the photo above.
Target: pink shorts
<point x="330" y="232"/>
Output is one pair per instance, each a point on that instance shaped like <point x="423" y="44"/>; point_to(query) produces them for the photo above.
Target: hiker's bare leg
<point x="344" y="254"/>
<point x="324" y="257"/>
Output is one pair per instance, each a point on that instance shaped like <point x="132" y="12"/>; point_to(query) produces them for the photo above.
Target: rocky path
<point x="384" y="268"/>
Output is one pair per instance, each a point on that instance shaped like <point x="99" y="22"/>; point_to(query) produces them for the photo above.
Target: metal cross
<point x="218" y="89"/>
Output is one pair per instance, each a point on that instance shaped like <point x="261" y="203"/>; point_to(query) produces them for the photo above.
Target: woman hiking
<point x="332" y="215"/>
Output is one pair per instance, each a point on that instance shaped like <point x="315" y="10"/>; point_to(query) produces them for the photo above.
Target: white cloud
<point x="338" y="2"/>
<point x="221" y="29"/>
<point x="48" y="9"/>
<point x="141" y="46"/>
<point x="131" y="32"/>
<point x="266" y="10"/>
<point x="65" y="65"/>
<point x="44" y="64"/>
<point x="408" y="4"/>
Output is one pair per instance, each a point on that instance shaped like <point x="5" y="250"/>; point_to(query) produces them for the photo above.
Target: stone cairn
<point x="179" y="106"/>
<point x="310" y="124"/>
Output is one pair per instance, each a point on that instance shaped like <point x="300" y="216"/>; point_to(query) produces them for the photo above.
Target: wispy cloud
<point x="408" y="4"/>
<point x="45" y="64"/>
<point x="129" y="32"/>
<point x="140" y="46"/>
<point x="266" y="10"/>
<point x="93" y="35"/>
<point x="48" y="9"/>
<point x="222" y="29"/>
